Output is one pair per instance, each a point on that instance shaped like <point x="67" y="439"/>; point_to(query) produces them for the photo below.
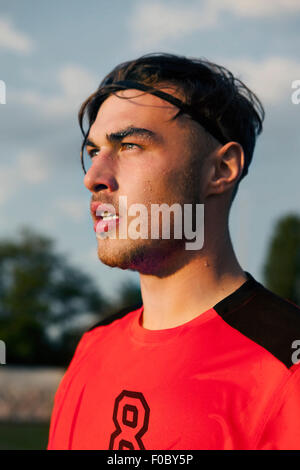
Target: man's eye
<point x="129" y="146"/>
<point x="92" y="152"/>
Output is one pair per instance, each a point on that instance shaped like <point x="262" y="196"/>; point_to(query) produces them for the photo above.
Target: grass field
<point x="23" y="436"/>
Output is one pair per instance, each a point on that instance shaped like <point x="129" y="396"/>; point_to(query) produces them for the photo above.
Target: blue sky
<point x="54" y="54"/>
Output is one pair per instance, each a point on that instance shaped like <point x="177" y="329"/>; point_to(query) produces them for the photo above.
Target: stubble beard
<point x="147" y="256"/>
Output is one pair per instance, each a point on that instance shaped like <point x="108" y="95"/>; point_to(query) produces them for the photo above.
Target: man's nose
<point x="101" y="175"/>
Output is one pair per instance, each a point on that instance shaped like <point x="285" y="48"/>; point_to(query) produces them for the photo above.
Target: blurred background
<point x="52" y="56"/>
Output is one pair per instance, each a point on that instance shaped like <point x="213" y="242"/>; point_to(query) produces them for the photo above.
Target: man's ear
<point x="226" y="167"/>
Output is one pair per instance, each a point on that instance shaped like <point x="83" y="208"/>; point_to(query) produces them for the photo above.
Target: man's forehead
<point x="132" y="106"/>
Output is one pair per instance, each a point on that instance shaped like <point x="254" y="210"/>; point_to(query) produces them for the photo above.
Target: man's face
<point x="157" y="165"/>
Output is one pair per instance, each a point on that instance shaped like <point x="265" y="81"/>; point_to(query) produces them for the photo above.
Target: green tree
<point x="130" y="295"/>
<point x="42" y="294"/>
<point x="282" y="266"/>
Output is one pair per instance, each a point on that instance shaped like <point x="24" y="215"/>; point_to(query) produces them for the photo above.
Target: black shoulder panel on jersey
<point x="264" y="317"/>
<point x="115" y="316"/>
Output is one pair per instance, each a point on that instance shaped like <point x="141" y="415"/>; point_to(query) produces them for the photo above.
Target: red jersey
<point x="228" y="379"/>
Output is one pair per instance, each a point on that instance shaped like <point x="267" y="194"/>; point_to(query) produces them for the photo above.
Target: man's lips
<point x="103" y="225"/>
<point x="101" y="214"/>
<point x="98" y="209"/>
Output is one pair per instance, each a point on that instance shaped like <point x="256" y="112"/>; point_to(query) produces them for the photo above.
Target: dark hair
<point x="216" y="99"/>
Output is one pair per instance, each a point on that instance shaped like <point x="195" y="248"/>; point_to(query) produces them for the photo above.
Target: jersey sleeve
<point x="282" y="429"/>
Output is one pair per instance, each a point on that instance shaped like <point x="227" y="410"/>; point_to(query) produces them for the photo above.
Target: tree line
<point x="44" y="299"/>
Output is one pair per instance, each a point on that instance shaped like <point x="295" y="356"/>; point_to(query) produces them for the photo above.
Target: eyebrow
<point x="115" y="137"/>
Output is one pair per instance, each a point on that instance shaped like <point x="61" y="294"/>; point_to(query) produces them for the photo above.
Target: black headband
<point x="208" y="125"/>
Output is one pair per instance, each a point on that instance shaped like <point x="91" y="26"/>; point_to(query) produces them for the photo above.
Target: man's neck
<point x="193" y="289"/>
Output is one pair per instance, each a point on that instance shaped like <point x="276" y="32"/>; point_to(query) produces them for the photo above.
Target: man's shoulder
<point x="267" y="319"/>
<point x="105" y="329"/>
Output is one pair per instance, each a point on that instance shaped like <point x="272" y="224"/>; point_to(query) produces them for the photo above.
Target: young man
<point x="208" y="361"/>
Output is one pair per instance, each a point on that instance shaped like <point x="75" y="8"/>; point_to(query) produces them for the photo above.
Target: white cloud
<point x="74" y="85"/>
<point x="12" y="39"/>
<point x="29" y="167"/>
<point x="259" y="8"/>
<point x="32" y="166"/>
<point x="76" y="80"/>
<point x="271" y="79"/>
<point x="153" y="22"/>
<point x="74" y="209"/>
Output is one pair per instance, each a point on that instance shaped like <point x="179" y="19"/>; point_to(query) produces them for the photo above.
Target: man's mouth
<point x="105" y="215"/>
<point x="106" y="224"/>
<point x="104" y="219"/>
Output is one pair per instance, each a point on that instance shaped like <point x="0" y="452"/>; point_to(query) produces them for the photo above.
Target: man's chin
<point x="154" y="257"/>
<point x="117" y="254"/>
<point x="137" y="255"/>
